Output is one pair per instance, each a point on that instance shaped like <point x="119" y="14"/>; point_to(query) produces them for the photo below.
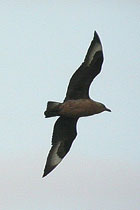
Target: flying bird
<point x="76" y="104"/>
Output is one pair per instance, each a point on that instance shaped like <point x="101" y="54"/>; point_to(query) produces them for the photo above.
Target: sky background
<point x="42" y="43"/>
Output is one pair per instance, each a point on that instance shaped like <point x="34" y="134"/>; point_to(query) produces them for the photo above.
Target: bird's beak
<point x="107" y="110"/>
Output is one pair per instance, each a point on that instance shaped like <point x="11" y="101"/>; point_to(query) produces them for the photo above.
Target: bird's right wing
<point x="63" y="135"/>
<point x="79" y="84"/>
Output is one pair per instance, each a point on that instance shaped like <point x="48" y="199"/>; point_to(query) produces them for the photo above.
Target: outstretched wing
<point x="63" y="135"/>
<point x="78" y="87"/>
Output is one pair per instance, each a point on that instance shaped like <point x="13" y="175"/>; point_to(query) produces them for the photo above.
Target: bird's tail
<point x="52" y="109"/>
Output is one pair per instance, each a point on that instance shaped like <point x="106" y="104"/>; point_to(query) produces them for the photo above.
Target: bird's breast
<point x="78" y="108"/>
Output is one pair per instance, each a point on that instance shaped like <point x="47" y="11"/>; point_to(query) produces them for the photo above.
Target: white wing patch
<point x="96" y="48"/>
<point x="55" y="159"/>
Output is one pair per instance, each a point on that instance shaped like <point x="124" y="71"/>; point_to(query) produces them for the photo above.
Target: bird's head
<point x="102" y="107"/>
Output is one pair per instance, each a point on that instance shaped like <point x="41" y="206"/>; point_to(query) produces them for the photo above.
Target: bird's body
<point x="76" y="108"/>
<point x="76" y="104"/>
<point x="79" y="108"/>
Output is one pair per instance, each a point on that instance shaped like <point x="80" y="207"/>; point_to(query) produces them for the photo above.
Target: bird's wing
<point x="79" y="84"/>
<point x="63" y="135"/>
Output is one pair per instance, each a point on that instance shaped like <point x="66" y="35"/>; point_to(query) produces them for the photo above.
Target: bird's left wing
<point x="79" y="84"/>
<point x="63" y="135"/>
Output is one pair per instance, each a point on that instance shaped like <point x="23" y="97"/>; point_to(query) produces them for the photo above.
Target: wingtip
<point x="48" y="169"/>
<point x="44" y="175"/>
<point x="96" y="37"/>
<point x="46" y="172"/>
<point x="95" y="33"/>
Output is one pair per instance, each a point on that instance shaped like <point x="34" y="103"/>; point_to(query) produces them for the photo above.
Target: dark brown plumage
<point x="77" y="103"/>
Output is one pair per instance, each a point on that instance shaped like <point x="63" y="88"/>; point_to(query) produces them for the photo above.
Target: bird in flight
<point x="76" y="104"/>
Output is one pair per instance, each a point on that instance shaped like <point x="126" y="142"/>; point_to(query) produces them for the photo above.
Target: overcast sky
<point x="42" y="43"/>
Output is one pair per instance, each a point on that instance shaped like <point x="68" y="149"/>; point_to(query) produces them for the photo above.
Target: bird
<point x="77" y="103"/>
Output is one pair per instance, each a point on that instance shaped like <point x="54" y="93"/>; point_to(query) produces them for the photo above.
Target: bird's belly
<point x="78" y="108"/>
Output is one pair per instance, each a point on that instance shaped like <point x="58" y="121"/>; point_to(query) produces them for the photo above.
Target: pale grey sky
<point x="42" y="43"/>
